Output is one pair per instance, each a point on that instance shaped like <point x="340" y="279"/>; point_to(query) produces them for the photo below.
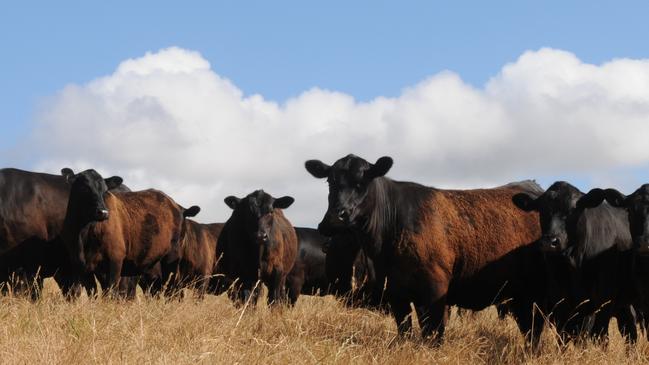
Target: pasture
<point x="318" y="330"/>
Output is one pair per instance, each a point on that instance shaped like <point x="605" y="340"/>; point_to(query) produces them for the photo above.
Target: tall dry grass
<point x="317" y="330"/>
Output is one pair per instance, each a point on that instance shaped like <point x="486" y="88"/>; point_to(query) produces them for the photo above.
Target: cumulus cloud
<point x="167" y="120"/>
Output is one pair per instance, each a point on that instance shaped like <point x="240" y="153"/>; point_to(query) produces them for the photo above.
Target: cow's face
<point x="559" y="209"/>
<point x="349" y="179"/>
<point x="87" y="194"/>
<point x="637" y="207"/>
<point x="256" y="210"/>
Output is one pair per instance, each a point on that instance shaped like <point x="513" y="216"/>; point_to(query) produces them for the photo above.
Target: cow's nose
<point x="342" y="215"/>
<point x="102" y="214"/>
<point x="554" y="242"/>
<point x="263" y="236"/>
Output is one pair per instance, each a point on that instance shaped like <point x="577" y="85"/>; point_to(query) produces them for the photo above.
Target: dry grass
<point x="317" y="330"/>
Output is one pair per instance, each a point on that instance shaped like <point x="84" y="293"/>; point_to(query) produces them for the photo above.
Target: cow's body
<point x="32" y="210"/>
<point x="435" y="247"/>
<point x="115" y="234"/>
<point x="308" y="275"/>
<point x="191" y="265"/>
<point x="257" y="243"/>
<point x="351" y="273"/>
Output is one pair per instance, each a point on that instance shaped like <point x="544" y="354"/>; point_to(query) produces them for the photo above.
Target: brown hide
<point x="462" y="231"/>
<point x="143" y="227"/>
<point x="281" y="256"/>
<point x="197" y="253"/>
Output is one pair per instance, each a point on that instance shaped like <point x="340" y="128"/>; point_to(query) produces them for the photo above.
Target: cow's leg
<point x="35" y="287"/>
<point x="530" y="325"/>
<point x="401" y="311"/>
<point x="432" y="319"/>
<point x="114" y="276"/>
<point x="294" y="284"/>
<point x="626" y="323"/>
<point x="599" y="330"/>
<point x="274" y="288"/>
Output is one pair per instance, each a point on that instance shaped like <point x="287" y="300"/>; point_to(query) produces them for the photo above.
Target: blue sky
<point x="280" y="49"/>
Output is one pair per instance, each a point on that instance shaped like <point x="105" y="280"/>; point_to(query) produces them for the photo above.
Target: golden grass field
<point x="316" y="330"/>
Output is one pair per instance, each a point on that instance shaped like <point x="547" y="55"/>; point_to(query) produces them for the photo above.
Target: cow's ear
<point x="317" y="168"/>
<point x="524" y="202"/>
<point x="191" y="211"/>
<point x="232" y="201"/>
<point x="283" y="202"/>
<point x="68" y="174"/>
<point x="380" y="168"/>
<point x="615" y="198"/>
<point x="113" y="182"/>
<point x="592" y="199"/>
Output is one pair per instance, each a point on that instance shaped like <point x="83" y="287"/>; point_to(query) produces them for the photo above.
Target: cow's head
<point x="256" y="210"/>
<point x="87" y="194"/>
<point x="637" y="207"/>
<point x="559" y="209"/>
<point x="349" y="179"/>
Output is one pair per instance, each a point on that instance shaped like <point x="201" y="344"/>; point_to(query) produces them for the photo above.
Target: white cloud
<point x="167" y="120"/>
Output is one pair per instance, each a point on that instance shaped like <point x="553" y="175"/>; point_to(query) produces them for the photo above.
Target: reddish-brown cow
<point x="469" y="248"/>
<point x="119" y="234"/>
<point x="193" y="262"/>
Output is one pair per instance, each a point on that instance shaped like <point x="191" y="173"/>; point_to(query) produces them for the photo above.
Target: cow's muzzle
<point x="101" y="214"/>
<point x="550" y="244"/>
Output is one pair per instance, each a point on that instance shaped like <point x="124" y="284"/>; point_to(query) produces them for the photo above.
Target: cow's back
<point x="32" y="206"/>
<point x="477" y="240"/>
<point x="149" y="222"/>
<point x="199" y="247"/>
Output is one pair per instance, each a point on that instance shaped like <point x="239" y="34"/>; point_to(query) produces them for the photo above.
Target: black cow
<point x="636" y="208"/>
<point x="32" y="209"/>
<point x="256" y="244"/>
<point x="351" y="273"/>
<point x="586" y="251"/>
<point x="434" y="247"/>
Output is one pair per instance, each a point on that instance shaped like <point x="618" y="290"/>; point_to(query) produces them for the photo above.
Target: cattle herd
<point x="561" y="257"/>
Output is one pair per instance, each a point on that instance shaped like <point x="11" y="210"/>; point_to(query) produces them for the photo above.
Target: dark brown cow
<point x="469" y="248"/>
<point x="32" y="209"/>
<point x="191" y="264"/>
<point x="258" y="243"/>
<point x="112" y="235"/>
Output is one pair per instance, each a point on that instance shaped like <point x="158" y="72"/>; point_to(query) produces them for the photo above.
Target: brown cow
<point x="118" y="234"/>
<point x="191" y="264"/>
<point x="470" y="248"/>
<point x="258" y="243"/>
